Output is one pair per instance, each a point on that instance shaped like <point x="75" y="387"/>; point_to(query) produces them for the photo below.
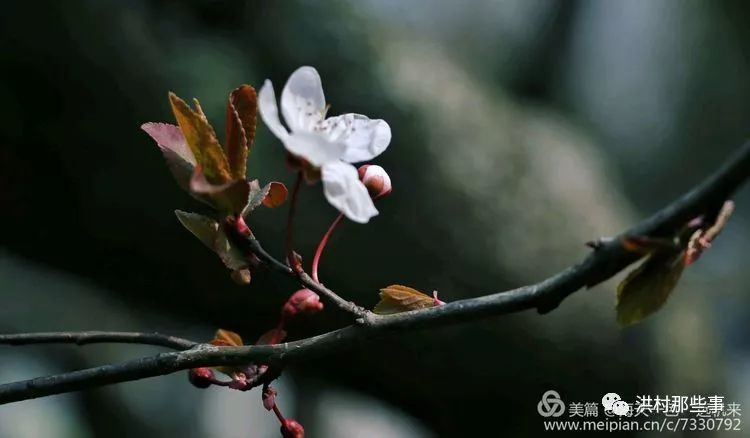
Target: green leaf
<point x="202" y="227"/>
<point x="397" y="298"/>
<point x="647" y="288"/>
<point x="213" y="236"/>
<point x="255" y="197"/>
<point x="201" y="139"/>
<point x="229" y="254"/>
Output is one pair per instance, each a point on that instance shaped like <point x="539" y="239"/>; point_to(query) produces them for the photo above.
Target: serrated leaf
<point x="242" y="111"/>
<point x="226" y="338"/>
<point x="277" y="193"/>
<point x="213" y="236"/>
<point x="256" y="197"/>
<point x="177" y="154"/>
<point x="397" y="298"/>
<point x="647" y="288"/>
<point x="201" y="139"/>
<point x="202" y="227"/>
<point x="229" y="254"/>
<point x="230" y="197"/>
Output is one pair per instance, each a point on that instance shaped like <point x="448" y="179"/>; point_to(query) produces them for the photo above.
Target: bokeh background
<point x="521" y="129"/>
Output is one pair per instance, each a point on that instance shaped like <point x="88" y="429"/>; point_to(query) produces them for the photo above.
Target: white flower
<point x="328" y="143"/>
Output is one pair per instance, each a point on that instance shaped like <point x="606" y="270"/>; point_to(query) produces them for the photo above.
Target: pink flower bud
<point x="201" y="377"/>
<point x="269" y="398"/>
<point x="376" y="179"/>
<point x="292" y="429"/>
<point x="302" y="301"/>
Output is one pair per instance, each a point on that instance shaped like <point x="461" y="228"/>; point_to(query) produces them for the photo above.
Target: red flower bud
<point x="376" y="179"/>
<point x="201" y="377"/>
<point x="302" y="301"/>
<point x="291" y="429"/>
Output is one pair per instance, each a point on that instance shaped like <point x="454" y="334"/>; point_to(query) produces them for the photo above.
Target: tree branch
<point x="97" y="337"/>
<point x="608" y="259"/>
<point x="252" y="244"/>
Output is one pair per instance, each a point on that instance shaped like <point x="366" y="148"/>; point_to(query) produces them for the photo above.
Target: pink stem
<point x="322" y="245"/>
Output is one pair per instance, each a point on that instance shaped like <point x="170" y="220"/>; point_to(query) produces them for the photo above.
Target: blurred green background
<point x="521" y="129"/>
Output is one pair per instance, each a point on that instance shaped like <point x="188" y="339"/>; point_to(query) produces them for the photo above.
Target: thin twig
<point x="322" y="246"/>
<point x="290" y="254"/>
<point x="609" y="258"/>
<point x="97" y="337"/>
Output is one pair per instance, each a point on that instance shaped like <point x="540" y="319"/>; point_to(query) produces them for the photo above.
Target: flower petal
<point x="269" y="111"/>
<point x="365" y="139"/>
<point x="314" y="147"/>
<point x="345" y="191"/>
<point x="302" y="101"/>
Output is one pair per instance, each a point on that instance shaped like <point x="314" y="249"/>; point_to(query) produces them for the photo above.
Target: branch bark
<point x="601" y="264"/>
<point x="97" y="337"/>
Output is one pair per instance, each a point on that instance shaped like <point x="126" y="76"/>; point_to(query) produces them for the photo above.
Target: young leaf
<point x="213" y="236"/>
<point x="230" y="197"/>
<point x="256" y="196"/>
<point x="396" y="298"/>
<point x="276" y="196"/>
<point x="201" y="139"/>
<point x="242" y="111"/>
<point x="226" y="338"/>
<point x="647" y="288"/>
<point x="202" y="227"/>
<point x="229" y="254"/>
<point x="179" y="158"/>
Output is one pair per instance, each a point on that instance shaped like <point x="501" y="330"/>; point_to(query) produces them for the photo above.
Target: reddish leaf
<point x="276" y="195"/>
<point x="226" y="338"/>
<point x="230" y="197"/>
<point x="201" y="139"/>
<point x="171" y="142"/>
<point x="396" y="298"/>
<point x="242" y="111"/>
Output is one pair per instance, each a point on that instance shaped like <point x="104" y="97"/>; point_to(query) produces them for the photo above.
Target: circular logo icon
<point x="620" y="408"/>
<point x="609" y="399"/>
<point x="550" y="405"/>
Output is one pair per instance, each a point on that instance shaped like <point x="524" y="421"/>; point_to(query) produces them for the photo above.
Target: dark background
<point x="520" y="130"/>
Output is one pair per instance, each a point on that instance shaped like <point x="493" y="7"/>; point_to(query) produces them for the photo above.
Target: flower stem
<point x="278" y="413"/>
<point x="292" y="259"/>
<point x="322" y="245"/>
